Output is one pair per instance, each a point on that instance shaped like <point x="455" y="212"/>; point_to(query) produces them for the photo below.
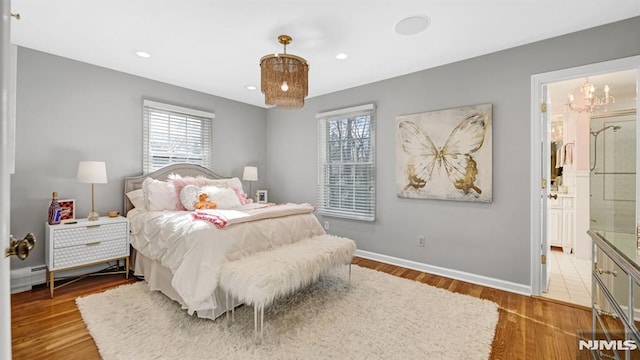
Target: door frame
<point x="5" y="190"/>
<point x="537" y="133"/>
<point x="545" y="159"/>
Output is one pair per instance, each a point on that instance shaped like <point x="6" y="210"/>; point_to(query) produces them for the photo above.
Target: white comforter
<point x="194" y="249"/>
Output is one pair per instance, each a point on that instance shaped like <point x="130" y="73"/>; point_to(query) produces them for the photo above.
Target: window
<point x="346" y="174"/>
<point x="175" y="134"/>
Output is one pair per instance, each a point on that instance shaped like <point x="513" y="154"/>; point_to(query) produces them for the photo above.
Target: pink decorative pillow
<point x="179" y="182"/>
<point x="242" y="196"/>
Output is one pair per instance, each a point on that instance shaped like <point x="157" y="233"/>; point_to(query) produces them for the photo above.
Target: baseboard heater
<point x="25" y="278"/>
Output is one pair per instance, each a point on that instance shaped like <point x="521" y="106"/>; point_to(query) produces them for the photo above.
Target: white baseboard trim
<point x="453" y="274"/>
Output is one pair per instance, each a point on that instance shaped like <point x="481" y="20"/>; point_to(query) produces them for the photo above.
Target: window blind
<point x="346" y="159"/>
<point x="175" y="134"/>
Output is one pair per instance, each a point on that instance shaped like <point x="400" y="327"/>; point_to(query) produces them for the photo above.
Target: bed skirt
<point x="159" y="278"/>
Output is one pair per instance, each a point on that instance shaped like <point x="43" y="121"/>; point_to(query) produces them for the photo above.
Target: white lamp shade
<point x="92" y="172"/>
<point x="250" y="173"/>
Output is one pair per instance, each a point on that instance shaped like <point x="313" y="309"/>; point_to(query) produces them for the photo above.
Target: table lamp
<point x="92" y="172"/>
<point x="250" y="174"/>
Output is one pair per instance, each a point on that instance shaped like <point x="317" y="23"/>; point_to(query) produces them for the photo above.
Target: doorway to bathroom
<point x="592" y="167"/>
<point x="587" y="165"/>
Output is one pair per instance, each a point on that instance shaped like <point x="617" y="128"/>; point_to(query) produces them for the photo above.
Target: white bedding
<point x="194" y="249"/>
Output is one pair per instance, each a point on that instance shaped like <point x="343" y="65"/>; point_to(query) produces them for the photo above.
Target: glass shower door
<point x="613" y="172"/>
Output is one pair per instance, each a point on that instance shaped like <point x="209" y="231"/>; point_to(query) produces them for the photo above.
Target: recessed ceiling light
<point x="250" y="87"/>
<point x="143" y="54"/>
<point x="412" y="25"/>
<point x="342" y="56"/>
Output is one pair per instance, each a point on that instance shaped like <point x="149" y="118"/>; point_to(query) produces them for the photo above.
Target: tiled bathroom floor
<point x="570" y="279"/>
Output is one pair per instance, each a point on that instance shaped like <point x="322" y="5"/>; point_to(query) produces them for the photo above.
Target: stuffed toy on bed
<point x="204" y="202"/>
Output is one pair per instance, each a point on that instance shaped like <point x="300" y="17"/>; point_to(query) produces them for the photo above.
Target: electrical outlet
<point x="421" y="241"/>
<point x="326" y="225"/>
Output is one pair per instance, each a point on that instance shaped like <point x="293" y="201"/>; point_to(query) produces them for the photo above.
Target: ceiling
<point x="215" y="46"/>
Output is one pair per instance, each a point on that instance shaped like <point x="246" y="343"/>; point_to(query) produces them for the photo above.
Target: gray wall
<point x="484" y="239"/>
<point x="69" y="111"/>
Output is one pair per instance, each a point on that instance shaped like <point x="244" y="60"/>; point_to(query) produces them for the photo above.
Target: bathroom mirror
<point x="556" y="149"/>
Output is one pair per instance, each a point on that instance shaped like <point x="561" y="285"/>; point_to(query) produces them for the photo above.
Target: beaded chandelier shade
<point x="284" y="78"/>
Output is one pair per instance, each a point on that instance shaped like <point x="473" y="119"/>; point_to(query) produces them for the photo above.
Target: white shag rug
<point x="379" y="316"/>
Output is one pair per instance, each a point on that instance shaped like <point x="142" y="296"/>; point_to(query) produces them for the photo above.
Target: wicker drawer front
<point x="63" y="238"/>
<point x="85" y="254"/>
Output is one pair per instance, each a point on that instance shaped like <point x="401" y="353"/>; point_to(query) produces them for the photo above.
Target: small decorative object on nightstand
<point x="67" y="210"/>
<point x="73" y="245"/>
<point x="262" y="196"/>
<point x="54" y="210"/>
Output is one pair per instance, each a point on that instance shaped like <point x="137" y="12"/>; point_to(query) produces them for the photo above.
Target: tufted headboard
<point x="184" y="169"/>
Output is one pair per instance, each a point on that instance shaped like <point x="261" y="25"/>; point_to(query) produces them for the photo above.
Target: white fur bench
<point x="258" y="280"/>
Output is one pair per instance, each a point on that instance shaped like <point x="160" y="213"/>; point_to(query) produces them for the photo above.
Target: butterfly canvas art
<point x="445" y="154"/>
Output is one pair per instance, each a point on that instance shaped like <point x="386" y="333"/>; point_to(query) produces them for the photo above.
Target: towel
<point x="568" y="153"/>
<point x="558" y="158"/>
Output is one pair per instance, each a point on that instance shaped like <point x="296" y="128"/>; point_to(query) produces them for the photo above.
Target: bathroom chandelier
<point x="284" y="78"/>
<point x="592" y="103"/>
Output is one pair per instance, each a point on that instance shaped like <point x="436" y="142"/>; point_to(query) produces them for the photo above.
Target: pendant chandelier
<point x="284" y="78"/>
<point x="592" y="103"/>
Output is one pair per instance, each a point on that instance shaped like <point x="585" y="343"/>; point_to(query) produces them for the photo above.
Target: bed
<point x="178" y="251"/>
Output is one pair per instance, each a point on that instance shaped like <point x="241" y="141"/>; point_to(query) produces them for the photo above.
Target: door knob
<point x="553" y="196"/>
<point x="21" y="248"/>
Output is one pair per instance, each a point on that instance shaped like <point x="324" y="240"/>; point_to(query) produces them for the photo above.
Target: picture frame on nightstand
<point x="262" y="196"/>
<point x="67" y="210"/>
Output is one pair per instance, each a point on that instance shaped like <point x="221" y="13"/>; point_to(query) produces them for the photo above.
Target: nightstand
<point x="83" y="243"/>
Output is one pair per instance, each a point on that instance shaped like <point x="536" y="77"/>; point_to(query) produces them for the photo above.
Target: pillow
<point x="180" y="182"/>
<point x="137" y="199"/>
<point x="223" y="197"/>
<point x="189" y="197"/>
<point x="233" y="183"/>
<point x="221" y="183"/>
<point x="159" y="195"/>
<point x="242" y="196"/>
<point x="224" y="183"/>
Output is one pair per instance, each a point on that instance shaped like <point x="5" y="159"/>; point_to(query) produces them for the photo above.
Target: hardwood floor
<point x="45" y="328"/>
<point x="528" y="328"/>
